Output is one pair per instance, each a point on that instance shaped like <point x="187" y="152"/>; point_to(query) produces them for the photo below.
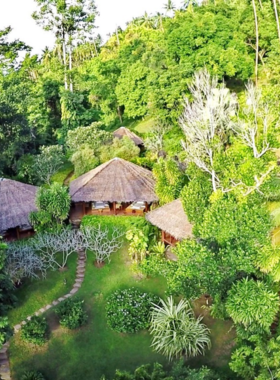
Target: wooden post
<point x="162" y="236"/>
<point x="84" y="209"/>
<point x="146" y="207"/>
<point x="114" y="208"/>
<point x="17" y="230"/>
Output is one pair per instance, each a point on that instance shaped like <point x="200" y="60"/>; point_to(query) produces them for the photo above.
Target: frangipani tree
<point x="102" y="241"/>
<point x="207" y="122"/>
<point x="222" y="140"/>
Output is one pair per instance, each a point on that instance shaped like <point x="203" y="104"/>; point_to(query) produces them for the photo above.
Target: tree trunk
<point x="120" y="114"/>
<point x="277" y="18"/>
<point x="70" y="66"/>
<point x="117" y="34"/>
<point x="214" y="181"/>
<point x="95" y="48"/>
<point x="257" y="41"/>
<point x="64" y="61"/>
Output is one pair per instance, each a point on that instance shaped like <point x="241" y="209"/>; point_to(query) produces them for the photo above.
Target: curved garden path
<point x="4" y="359"/>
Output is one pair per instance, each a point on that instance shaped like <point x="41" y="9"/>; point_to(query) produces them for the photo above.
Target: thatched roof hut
<point x="17" y="200"/>
<point x="171" y="218"/>
<point x="114" y="181"/>
<point x="123" y="131"/>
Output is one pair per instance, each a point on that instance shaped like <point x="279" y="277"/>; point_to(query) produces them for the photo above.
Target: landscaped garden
<point x="95" y="349"/>
<point x="140" y="195"/>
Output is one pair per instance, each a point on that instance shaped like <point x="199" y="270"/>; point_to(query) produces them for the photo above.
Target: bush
<point x="129" y="310"/>
<point x="71" y="313"/>
<point x="32" y="375"/>
<point x="35" y="330"/>
<point x="124" y="223"/>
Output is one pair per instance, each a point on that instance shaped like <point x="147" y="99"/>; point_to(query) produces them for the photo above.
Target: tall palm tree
<point x="176" y="331"/>
<point x="169" y="6"/>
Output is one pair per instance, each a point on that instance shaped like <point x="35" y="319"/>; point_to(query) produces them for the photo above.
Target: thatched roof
<point x="17" y="200"/>
<point x="122" y="131"/>
<point x="115" y="181"/>
<point x="172" y="219"/>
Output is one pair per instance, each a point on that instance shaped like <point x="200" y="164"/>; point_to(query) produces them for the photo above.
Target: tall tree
<point x="70" y="20"/>
<point x="257" y="40"/>
<point x="9" y="50"/>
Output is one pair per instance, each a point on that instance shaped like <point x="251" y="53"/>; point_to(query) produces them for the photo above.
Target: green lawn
<point x="143" y="126"/>
<point x="37" y="293"/>
<point x="95" y="350"/>
<point x="64" y="174"/>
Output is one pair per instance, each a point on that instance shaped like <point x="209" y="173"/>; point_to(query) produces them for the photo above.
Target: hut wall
<point x="168" y="239"/>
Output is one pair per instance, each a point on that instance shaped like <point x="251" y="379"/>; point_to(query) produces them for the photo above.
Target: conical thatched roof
<point x="115" y="181"/>
<point x="172" y="219"/>
<point x="122" y="131"/>
<point x="17" y="200"/>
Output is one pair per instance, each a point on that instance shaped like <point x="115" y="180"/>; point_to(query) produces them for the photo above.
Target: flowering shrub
<point x="129" y="310"/>
<point x="71" y="313"/>
<point x="35" y="330"/>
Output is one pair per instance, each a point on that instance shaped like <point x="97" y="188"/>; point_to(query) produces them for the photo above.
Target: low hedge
<point x="109" y="221"/>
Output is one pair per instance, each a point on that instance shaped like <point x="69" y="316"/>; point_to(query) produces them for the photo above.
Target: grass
<point x="95" y="350"/>
<point x="37" y="293"/>
<point x="63" y="174"/>
<point x="222" y="340"/>
<point x="144" y="126"/>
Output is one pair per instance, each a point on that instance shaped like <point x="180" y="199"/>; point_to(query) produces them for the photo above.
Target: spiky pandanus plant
<point x="32" y="375"/>
<point x="176" y="331"/>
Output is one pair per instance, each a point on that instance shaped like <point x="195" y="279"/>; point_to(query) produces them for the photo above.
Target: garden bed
<point x="95" y="350"/>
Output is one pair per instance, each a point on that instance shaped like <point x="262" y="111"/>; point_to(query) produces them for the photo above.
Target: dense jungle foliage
<point x="205" y="78"/>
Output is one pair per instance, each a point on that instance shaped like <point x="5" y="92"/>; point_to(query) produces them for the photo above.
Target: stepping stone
<point x="80" y="276"/>
<point x="80" y="280"/>
<point x="73" y="291"/>
<point x="4" y="361"/>
<point x="48" y="307"/>
<point x="60" y="299"/>
<point x="37" y="313"/>
<point x="5" y="370"/>
<point x="54" y="303"/>
<point x="16" y="328"/>
<point x="77" y="285"/>
<point x="23" y="323"/>
<point x="28" y="318"/>
<point x="68" y="295"/>
<point x="42" y="310"/>
<point x="81" y="270"/>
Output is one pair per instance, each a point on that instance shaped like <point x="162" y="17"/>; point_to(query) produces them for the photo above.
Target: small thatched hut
<point x="17" y="200"/>
<point x="115" y="187"/>
<point x="123" y="131"/>
<point x="172" y="221"/>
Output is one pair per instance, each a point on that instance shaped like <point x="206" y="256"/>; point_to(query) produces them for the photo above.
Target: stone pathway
<point x="4" y="359"/>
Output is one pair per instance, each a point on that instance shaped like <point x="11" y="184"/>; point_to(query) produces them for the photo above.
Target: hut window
<point x="99" y="205"/>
